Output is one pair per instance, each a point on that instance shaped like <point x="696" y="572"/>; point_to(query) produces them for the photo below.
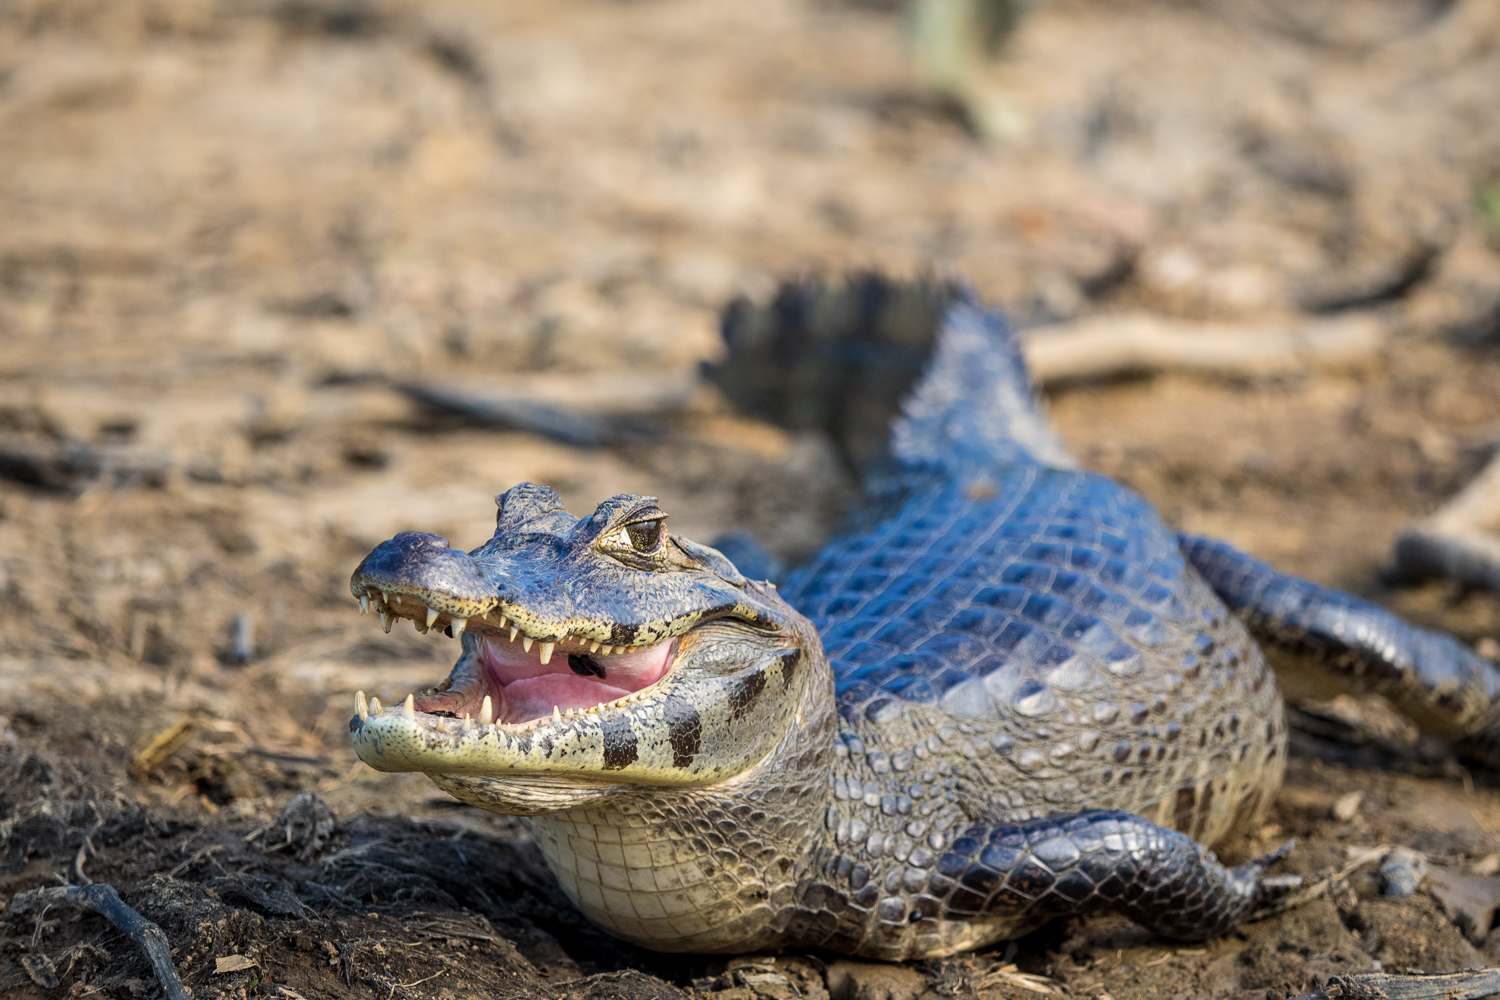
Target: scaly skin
<point x="1004" y="695"/>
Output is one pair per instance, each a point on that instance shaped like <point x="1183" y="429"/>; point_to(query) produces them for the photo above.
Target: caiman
<point x="1006" y="692"/>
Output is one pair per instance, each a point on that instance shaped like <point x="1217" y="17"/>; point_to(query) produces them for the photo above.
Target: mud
<point x="233" y="230"/>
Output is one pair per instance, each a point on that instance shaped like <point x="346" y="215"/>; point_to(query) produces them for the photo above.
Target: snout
<point x="424" y="566"/>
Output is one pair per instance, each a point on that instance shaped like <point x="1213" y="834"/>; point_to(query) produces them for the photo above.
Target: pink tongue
<point x="529" y="689"/>
<point x="534" y="697"/>
<point x="509" y="662"/>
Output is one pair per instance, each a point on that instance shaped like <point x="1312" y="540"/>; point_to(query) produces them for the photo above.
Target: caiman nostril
<point x="584" y="667"/>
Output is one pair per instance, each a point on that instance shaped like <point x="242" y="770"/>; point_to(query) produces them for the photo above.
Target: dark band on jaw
<point x="684" y="730"/>
<point x="619" y="743"/>
<point x="790" y="661"/>
<point x="746" y="690"/>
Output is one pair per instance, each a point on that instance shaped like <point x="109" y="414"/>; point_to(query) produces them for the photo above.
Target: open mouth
<point x="510" y="678"/>
<point x="518" y="681"/>
<point x="579" y="671"/>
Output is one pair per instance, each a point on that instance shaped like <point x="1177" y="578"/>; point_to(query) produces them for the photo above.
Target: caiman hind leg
<point x="1322" y="641"/>
<point x="1016" y="877"/>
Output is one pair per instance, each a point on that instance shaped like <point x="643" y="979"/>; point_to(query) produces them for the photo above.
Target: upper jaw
<point x="416" y="576"/>
<point x="518" y="666"/>
<point x="528" y="657"/>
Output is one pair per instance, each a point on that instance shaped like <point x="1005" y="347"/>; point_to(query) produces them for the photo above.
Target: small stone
<point x="1347" y="807"/>
<point x="1402" y="871"/>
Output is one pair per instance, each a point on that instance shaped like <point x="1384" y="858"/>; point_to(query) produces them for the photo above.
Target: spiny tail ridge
<point x="913" y="371"/>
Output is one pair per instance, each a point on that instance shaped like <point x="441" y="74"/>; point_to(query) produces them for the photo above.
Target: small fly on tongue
<point x="522" y="688"/>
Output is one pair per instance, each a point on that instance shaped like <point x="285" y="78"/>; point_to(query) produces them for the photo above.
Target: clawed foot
<point x="1278" y="893"/>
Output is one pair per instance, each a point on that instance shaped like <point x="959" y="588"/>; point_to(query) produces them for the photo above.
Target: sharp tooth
<point x="468" y="723"/>
<point x="432" y="614"/>
<point x="442" y="726"/>
<point x="385" y="596"/>
<point x="526" y="643"/>
<point x="556" y="715"/>
<point x="486" y="712"/>
<point x="607" y="650"/>
<point x="364" y="604"/>
<point x="502" y="623"/>
<point x="546" y="652"/>
<point x="593" y="646"/>
<point x="419" y="625"/>
<point x="398" y="598"/>
<point x="409" y="709"/>
<point x="458" y="626"/>
<point x="375" y="707"/>
<point x="386" y="621"/>
<point x="513" y="633"/>
<point x="361" y="706"/>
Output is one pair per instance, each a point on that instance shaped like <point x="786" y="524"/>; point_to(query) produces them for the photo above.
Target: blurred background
<point x="279" y="278"/>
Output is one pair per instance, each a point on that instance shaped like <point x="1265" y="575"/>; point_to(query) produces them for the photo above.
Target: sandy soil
<point x="232" y="230"/>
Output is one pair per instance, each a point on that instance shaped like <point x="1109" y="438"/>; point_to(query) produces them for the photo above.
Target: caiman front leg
<point x="1022" y="875"/>
<point x="1321" y="640"/>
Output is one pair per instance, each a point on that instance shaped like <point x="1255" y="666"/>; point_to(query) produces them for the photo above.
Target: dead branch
<point x="1384" y="986"/>
<point x="104" y="900"/>
<point x="1109" y="346"/>
<point x="587" y="411"/>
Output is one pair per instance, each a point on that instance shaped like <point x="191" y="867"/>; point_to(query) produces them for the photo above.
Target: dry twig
<point x="1383" y="986"/>
<point x="160" y="747"/>
<point x="1107" y="346"/>
<point x="1010" y="975"/>
<point x="104" y="900"/>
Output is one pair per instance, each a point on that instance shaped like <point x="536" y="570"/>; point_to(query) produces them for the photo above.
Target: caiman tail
<point x="917" y="372"/>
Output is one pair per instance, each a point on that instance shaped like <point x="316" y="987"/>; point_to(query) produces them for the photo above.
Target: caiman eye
<point x="645" y="536"/>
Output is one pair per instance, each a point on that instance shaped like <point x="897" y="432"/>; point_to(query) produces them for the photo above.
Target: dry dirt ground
<point x="232" y="230"/>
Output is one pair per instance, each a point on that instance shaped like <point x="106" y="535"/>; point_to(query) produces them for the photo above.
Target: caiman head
<point x="597" y="653"/>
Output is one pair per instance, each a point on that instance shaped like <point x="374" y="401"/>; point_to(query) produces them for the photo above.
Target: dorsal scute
<point x="525" y="502"/>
